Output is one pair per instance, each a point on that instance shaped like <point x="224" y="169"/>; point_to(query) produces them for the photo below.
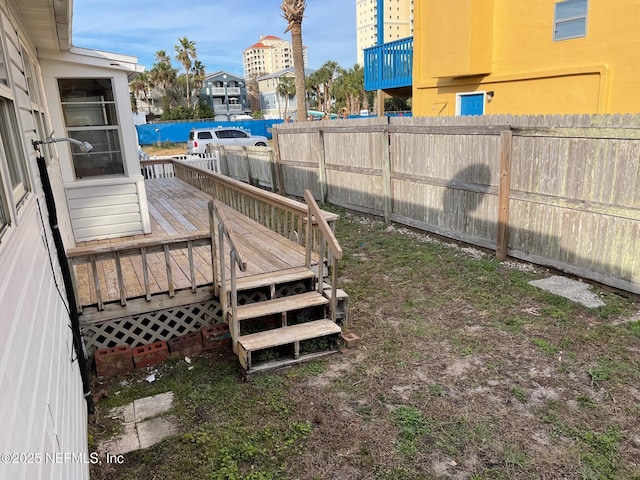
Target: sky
<point x="221" y="29"/>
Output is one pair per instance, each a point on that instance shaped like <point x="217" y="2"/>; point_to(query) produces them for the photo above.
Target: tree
<point x="140" y="85"/>
<point x="286" y="88"/>
<point x="327" y="74"/>
<point x="186" y="54"/>
<point x="163" y="75"/>
<point x="293" y="13"/>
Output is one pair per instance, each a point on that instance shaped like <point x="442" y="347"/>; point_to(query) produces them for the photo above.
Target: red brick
<point x="350" y="339"/>
<point x="114" y="361"/>
<point x="189" y="344"/>
<point x="216" y="337"/>
<point x="151" y="354"/>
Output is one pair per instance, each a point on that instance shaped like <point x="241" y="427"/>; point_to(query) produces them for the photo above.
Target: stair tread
<point x="279" y="305"/>
<point x="271" y="278"/>
<point x="290" y="334"/>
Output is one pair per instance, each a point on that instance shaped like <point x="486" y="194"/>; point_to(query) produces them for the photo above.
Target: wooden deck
<point x="178" y="210"/>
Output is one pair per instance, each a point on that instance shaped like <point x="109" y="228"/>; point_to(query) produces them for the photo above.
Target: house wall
<point x="99" y="207"/>
<point x="43" y="411"/>
<point x="459" y="48"/>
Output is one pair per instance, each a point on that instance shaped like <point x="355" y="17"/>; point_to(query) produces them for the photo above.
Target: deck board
<point x="178" y="208"/>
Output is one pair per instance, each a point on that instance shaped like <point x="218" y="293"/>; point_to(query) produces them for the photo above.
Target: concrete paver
<point x="155" y="430"/>
<point x="142" y="425"/>
<point x="574" y="290"/>
<point x="153" y="406"/>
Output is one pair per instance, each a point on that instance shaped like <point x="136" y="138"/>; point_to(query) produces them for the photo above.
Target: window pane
<point x="571" y="8"/>
<point x="571" y="29"/>
<point x="89" y="114"/>
<point x="13" y="152"/>
<point x="85" y="89"/>
<point x="104" y="159"/>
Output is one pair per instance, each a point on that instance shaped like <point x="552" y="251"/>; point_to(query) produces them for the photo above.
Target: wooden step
<point x="292" y="334"/>
<point x="274" y="278"/>
<point x="280" y="305"/>
<point x="273" y="366"/>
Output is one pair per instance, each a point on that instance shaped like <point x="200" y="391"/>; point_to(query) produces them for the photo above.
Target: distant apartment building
<point x="226" y="94"/>
<point x="271" y="54"/>
<point x="272" y="103"/>
<point x="398" y="22"/>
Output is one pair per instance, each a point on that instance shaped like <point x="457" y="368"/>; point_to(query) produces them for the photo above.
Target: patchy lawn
<point x="465" y="371"/>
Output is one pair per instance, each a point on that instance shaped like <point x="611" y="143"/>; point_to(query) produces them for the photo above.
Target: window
<point x="12" y="150"/>
<point x="89" y="110"/>
<point x="570" y="20"/>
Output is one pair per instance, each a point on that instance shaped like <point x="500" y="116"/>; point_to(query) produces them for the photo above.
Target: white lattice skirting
<point x="166" y="324"/>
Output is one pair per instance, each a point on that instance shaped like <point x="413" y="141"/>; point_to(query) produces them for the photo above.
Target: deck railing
<point x="329" y="245"/>
<point x="283" y="215"/>
<point x="226" y="292"/>
<point x="389" y="65"/>
<point x="111" y="257"/>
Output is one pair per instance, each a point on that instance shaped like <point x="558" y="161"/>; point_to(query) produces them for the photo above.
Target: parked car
<point x="199" y="138"/>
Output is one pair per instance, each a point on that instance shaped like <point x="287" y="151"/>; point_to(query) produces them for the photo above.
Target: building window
<point x="570" y="19"/>
<point x="12" y="151"/>
<point x="89" y="109"/>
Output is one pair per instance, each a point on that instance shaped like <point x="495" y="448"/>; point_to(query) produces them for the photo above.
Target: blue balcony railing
<point x="389" y="65"/>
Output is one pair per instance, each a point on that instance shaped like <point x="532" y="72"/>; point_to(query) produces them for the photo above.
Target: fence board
<point x="573" y="200"/>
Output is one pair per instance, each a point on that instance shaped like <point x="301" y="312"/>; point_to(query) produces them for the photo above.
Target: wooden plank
<point x="290" y="334"/>
<point x="279" y="305"/>
<point x="275" y="278"/>
<point x="595" y="133"/>
<point x="502" y="239"/>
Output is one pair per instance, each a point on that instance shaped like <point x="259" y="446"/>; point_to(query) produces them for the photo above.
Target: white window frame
<point x="557" y="21"/>
<point x="466" y="94"/>
<point x="77" y="131"/>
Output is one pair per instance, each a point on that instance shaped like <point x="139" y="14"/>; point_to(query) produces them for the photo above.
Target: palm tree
<point x="186" y="54"/>
<point x="163" y="75"/>
<point x="286" y="88"/>
<point x="293" y="13"/>
<point x="329" y="71"/>
<point x="199" y="75"/>
<point x="140" y="85"/>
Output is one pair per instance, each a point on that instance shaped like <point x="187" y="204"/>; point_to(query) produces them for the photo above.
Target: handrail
<point x="332" y="241"/>
<point x="235" y="258"/>
<point x="333" y="255"/>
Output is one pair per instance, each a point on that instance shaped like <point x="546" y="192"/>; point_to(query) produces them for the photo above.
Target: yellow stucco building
<point x="526" y="57"/>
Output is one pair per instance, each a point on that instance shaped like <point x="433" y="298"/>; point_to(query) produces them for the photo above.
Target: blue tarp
<point x="178" y="132"/>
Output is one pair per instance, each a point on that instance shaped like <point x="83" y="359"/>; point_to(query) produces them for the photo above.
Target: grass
<point x="464" y="371"/>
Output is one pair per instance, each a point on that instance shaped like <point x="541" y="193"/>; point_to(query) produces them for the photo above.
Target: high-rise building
<point x="271" y="54"/>
<point x="398" y="22"/>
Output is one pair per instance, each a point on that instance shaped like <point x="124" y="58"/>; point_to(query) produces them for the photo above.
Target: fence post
<point x="504" y="194"/>
<point x="277" y="179"/>
<point x="386" y="172"/>
<point x="322" y="171"/>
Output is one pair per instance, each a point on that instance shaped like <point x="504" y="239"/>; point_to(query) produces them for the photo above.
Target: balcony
<point x="233" y="90"/>
<point x="216" y="91"/>
<point x="389" y="66"/>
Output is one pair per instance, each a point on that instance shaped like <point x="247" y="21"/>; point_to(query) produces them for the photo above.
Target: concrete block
<point x="150" y="354"/>
<point x="114" y="361"/>
<point x="185" y="345"/>
<point x="216" y="337"/>
<point x="350" y="339"/>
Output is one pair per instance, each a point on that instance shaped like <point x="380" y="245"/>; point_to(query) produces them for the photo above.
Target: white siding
<point x="43" y="409"/>
<point x="105" y="211"/>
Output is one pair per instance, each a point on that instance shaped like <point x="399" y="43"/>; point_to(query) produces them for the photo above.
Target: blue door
<point x="472" y="104"/>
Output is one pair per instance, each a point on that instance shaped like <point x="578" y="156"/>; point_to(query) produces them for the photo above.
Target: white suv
<point x="199" y="138"/>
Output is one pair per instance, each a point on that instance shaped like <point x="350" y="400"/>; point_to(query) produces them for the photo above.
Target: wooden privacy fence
<point x="252" y="165"/>
<point x="557" y="191"/>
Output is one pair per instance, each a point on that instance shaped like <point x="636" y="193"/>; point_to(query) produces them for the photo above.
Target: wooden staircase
<point x="275" y="333"/>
